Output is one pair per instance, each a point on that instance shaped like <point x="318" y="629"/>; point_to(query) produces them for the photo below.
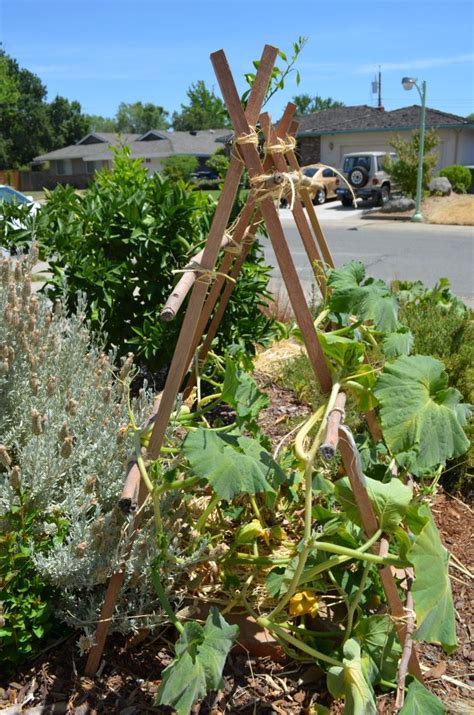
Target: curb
<point x="387" y="217"/>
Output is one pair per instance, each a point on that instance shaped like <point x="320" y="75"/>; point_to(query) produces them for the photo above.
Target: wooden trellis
<point x="210" y="293"/>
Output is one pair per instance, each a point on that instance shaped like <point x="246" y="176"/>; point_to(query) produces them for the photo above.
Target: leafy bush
<point x="458" y="176"/>
<point x="180" y="167"/>
<point x="404" y="168"/>
<point x="121" y="242"/>
<point x="218" y="162"/>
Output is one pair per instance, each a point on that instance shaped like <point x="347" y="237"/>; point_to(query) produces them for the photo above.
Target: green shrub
<point x="218" y="162"/>
<point x="180" y="167"/>
<point x="458" y="176"/>
<point x="404" y="169"/>
<point x="121" y="243"/>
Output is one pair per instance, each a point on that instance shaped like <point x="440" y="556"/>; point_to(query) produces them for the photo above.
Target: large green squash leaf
<point x="240" y="391"/>
<point x="399" y="343"/>
<point x="419" y="701"/>
<point x="369" y="299"/>
<point x="232" y="465"/>
<point x="352" y="681"/>
<point x="201" y="653"/>
<point x="390" y="501"/>
<point x="344" y="351"/>
<point x="421" y="416"/>
<point x="431" y="589"/>
<point x="378" y="638"/>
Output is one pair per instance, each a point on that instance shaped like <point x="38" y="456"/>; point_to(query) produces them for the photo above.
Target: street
<point x="389" y="250"/>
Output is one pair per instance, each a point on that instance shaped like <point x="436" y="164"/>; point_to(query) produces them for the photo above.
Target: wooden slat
<point x="308" y="204"/>
<point x="180" y="362"/>
<point x="312" y="251"/>
<point x="351" y="460"/>
<point x="275" y="231"/>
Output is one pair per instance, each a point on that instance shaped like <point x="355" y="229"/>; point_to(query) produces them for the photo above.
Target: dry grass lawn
<point x="454" y="210"/>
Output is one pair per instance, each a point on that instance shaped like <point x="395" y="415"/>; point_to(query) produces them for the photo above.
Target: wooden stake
<point x="275" y="231"/>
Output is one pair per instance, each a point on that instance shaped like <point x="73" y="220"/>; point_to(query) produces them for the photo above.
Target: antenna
<point x="377" y="88"/>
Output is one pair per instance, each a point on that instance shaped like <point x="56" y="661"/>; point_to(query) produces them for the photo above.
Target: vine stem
<point x="281" y="633"/>
<point x="166" y="605"/>
<point x="308" y="476"/>
<point x="201" y="522"/>
<point x="355" y="601"/>
<point x="148" y="483"/>
<point x="336" y="561"/>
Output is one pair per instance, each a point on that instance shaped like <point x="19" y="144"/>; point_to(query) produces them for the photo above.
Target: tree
<point x="204" y="111"/>
<point x="404" y="168"/>
<point x="24" y="120"/>
<point x="305" y="104"/>
<point x="470" y="117"/>
<point x="67" y="122"/>
<point x="180" y="166"/>
<point x="139" y="118"/>
<point x="101" y="124"/>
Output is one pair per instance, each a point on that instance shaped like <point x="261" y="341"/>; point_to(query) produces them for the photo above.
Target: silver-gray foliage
<point x="64" y="448"/>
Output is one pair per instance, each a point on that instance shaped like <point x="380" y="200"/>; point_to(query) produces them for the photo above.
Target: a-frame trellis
<point x="210" y="288"/>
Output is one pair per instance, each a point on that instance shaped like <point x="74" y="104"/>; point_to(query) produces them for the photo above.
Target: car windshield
<point x="309" y="172"/>
<point x="9" y="195"/>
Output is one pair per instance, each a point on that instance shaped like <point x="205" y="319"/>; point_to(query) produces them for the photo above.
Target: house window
<point x="91" y="166"/>
<point x="63" y="167"/>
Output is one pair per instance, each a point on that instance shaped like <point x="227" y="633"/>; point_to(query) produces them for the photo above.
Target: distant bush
<point x="404" y="169"/>
<point x="180" y="166"/>
<point x="458" y="176"/>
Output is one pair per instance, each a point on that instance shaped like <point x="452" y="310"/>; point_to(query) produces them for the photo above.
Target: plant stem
<point x="201" y="522"/>
<point x="149" y="485"/>
<point x="357" y="554"/>
<point x="336" y="561"/>
<point x="355" y="601"/>
<point x="165" y="604"/>
<point x="281" y="633"/>
<point x="177" y="484"/>
<point x="256" y="511"/>
<point x="241" y="558"/>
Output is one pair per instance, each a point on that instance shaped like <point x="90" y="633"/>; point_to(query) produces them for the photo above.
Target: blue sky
<point x="101" y="52"/>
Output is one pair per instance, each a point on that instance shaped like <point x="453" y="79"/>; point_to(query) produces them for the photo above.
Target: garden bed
<point x="129" y="675"/>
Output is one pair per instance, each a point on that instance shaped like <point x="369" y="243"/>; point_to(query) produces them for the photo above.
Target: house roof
<point x="365" y="118"/>
<point x="96" y="146"/>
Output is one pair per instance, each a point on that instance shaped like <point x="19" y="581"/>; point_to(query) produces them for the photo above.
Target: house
<point x="327" y="135"/>
<point x="76" y="164"/>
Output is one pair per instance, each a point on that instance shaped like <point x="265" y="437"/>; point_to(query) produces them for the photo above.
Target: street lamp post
<point x="408" y="83"/>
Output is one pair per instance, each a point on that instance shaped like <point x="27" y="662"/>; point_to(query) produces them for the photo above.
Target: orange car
<point x="323" y="182"/>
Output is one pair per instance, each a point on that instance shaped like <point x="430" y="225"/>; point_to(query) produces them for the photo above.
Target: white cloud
<point x="418" y="64"/>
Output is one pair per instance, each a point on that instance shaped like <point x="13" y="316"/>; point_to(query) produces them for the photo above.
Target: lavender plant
<point x="64" y="446"/>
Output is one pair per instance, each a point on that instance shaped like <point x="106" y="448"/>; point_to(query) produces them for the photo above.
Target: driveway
<point x="332" y="210"/>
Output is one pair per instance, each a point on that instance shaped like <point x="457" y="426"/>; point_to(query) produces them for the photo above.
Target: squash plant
<point x="279" y="536"/>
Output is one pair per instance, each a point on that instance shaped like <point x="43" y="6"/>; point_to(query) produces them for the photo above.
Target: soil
<point x="129" y="674"/>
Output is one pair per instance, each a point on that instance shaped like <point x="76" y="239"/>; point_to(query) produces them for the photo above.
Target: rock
<point x="440" y="186"/>
<point x="398" y="205"/>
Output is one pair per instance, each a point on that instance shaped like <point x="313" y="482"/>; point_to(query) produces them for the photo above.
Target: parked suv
<point x="366" y="174"/>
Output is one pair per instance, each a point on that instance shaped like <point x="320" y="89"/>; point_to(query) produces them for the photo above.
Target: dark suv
<point x="365" y="173"/>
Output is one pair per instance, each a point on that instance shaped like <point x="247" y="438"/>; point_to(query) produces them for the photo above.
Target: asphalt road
<point x="390" y="250"/>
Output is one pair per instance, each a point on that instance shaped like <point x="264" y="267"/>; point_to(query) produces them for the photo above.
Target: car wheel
<point x="358" y="177"/>
<point x="348" y="203"/>
<point x="320" y="197"/>
<point x="384" y="195"/>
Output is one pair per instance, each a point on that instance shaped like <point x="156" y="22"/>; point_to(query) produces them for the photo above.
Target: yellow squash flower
<point x="302" y="603"/>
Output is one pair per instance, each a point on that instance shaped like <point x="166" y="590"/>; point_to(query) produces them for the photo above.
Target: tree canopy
<point x="204" y="111"/>
<point x="139" y="118"/>
<point x="306" y="104"/>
